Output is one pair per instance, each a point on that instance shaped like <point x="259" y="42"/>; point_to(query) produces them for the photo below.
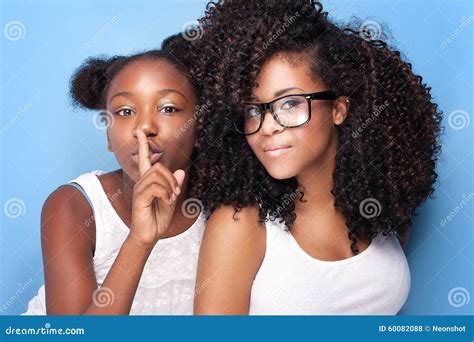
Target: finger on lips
<point x="144" y="163"/>
<point x="157" y="173"/>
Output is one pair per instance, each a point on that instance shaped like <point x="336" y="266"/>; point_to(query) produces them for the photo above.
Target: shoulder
<point x="237" y="226"/>
<point x="66" y="213"/>
<point x="68" y="246"/>
<point x="236" y="235"/>
<point x="229" y="214"/>
<point x="66" y="199"/>
<point x="232" y="251"/>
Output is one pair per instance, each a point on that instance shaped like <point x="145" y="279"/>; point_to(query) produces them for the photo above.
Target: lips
<point x="275" y="150"/>
<point x="155" y="152"/>
<point x="154" y="157"/>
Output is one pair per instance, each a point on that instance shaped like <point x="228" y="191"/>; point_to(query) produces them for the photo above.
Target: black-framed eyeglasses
<point x="289" y="111"/>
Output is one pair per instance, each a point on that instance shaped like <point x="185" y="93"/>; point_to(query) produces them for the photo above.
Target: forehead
<point x="285" y="71"/>
<point x="150" y="74"/>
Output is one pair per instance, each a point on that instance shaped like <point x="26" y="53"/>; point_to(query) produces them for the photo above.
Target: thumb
<point x="179" y="176"/>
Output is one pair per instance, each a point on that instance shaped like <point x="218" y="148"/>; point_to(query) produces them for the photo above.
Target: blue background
<point x="45" y="143"/>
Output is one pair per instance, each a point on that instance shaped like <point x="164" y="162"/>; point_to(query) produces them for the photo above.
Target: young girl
<point x="320" y="143"/>
<point x="127" y="241"/>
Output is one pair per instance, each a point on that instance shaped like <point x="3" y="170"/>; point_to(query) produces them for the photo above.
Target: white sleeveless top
<point x="168" y="281"/>
<point x="291" y="282"/>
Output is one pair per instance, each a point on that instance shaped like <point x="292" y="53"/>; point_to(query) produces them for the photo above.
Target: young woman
<point x="127" y="241"/>
<point x="319" y="143"/>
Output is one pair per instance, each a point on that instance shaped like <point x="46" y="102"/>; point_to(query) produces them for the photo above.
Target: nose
<point x="147" y="123"/>
<point x="269" y="125"/>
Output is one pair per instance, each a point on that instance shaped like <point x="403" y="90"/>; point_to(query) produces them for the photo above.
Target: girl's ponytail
<point x="90" y="81"/>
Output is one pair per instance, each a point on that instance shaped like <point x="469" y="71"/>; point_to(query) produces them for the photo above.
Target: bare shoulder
<point x="228" y="215"/>
<point x="232" y="251"/>
<point x="240" y="230"/>
<point x="68" y="243"/>
<point x="67" y="212"/>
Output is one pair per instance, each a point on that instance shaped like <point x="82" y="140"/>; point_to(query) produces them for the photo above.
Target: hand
<point x="154" y="197"/>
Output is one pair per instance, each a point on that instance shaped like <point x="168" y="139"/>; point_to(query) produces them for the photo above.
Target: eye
<point x="124" y="112"/>
<point x="168" y="109"/>
<point x="291" y="103"/>
<point x="252" y="112"/>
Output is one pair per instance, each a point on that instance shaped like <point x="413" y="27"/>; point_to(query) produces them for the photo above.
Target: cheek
<point x="318" y="131"/>
<point x="254" y="143"/>
<point x="183" y="136"/>
<point x="122" y="144"/>
<point x="117" y="138"/>
<point x="321" y="121"/>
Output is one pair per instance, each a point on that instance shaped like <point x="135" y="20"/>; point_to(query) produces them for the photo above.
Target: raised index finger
<point x="144" y="162"/>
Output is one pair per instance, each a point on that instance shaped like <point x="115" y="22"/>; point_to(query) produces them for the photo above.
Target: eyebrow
<point x="280" y="92"/>
<point x="167" y="91"/>
<point x="283" y="91"/>
<point x="161" y="92"/>
<point x="122" y="93"/>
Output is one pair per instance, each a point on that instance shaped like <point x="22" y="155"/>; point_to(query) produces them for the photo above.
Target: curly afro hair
<point x="388" y="144"/>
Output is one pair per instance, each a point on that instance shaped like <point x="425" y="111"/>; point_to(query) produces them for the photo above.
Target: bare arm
<point x="68" y="238"/>
<point x="230" y="257"/>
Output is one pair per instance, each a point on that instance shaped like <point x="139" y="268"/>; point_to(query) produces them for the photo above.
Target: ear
<point x="109" y="144"/>
<point x="340" y="109"/>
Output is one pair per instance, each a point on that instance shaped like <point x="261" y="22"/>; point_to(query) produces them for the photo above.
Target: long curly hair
<point x="388" y="144"/>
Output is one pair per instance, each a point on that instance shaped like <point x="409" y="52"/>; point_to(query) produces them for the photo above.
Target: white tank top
<point x="291" y="282"/>
<point x="168" y="281"/>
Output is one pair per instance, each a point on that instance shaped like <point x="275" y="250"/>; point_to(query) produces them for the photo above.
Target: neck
<point x="316" y="182"/>
<point x="127" y="185"/>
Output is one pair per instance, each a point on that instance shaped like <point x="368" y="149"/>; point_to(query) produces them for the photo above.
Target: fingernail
<point x="178" y="190"/>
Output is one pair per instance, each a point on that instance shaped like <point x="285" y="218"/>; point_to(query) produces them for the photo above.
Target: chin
<point x="281" y="172"/>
